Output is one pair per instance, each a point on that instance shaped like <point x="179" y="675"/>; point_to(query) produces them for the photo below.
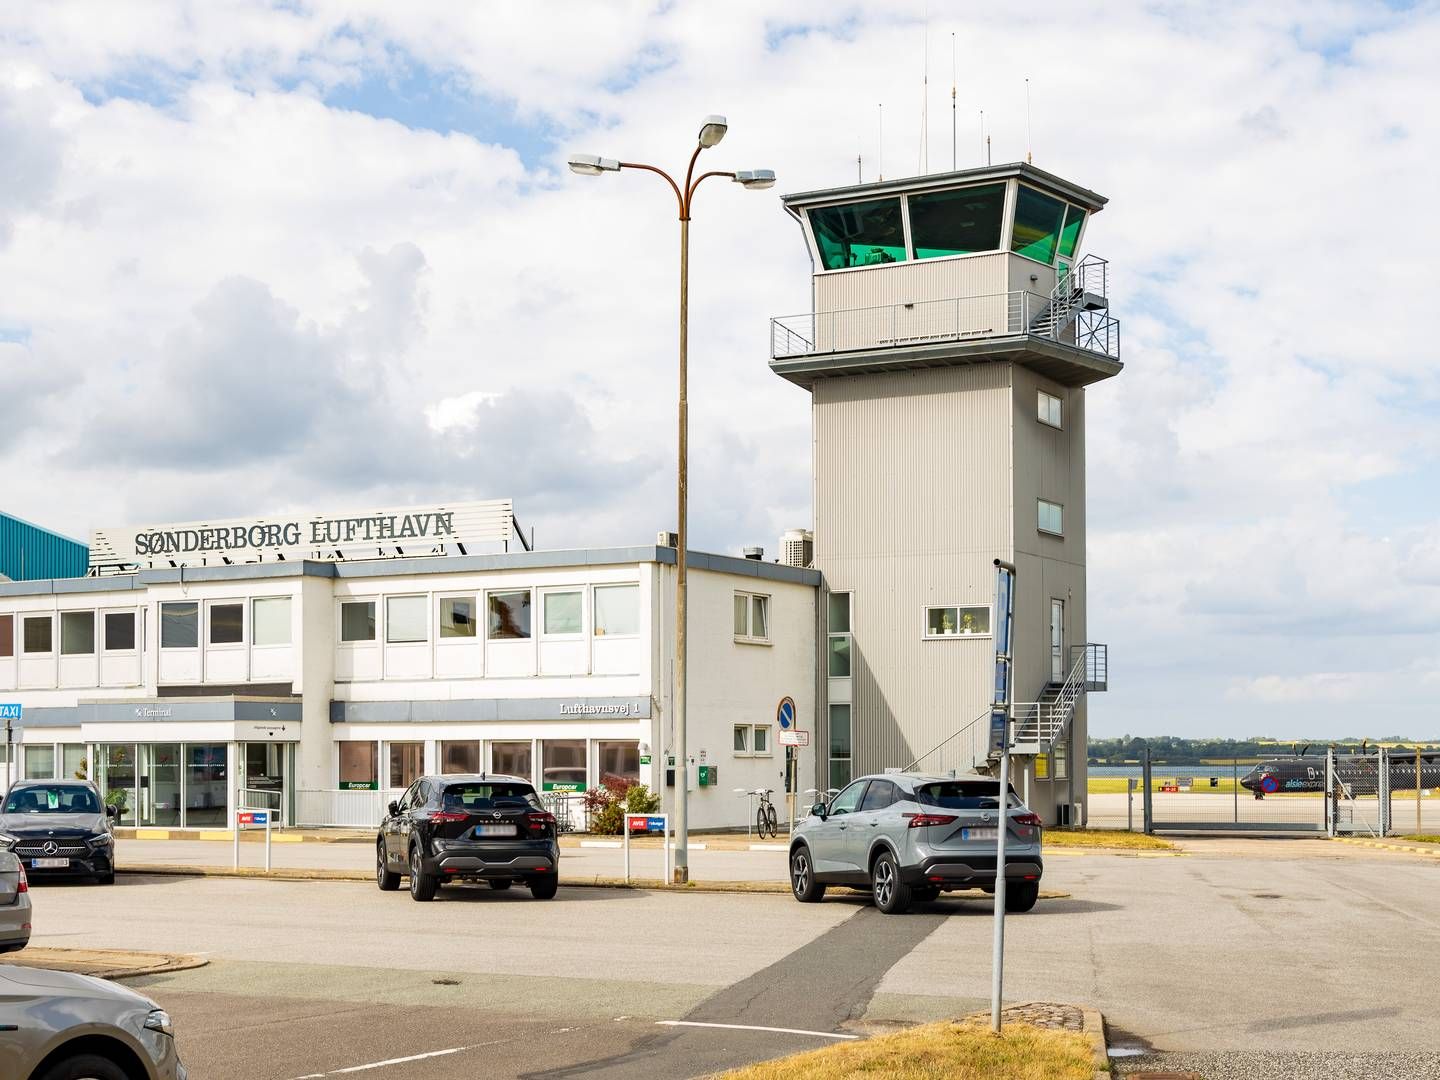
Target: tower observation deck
<point x="952" y="268"/>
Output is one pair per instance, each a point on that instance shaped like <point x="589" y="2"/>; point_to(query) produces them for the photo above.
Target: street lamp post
<point x="712" y="130"/>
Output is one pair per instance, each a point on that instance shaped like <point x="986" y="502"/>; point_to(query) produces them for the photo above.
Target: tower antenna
<point x="924" y="162"/>
<point x="953" y="151"/>
<point x="1029" y="146"/>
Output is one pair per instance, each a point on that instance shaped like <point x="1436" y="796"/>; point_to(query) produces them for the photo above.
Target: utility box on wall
<point x="709" y="775"/>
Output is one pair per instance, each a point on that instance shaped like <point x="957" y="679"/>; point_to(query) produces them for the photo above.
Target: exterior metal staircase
<point x="1083" y="288"/>
<point x="1040" y="724"/>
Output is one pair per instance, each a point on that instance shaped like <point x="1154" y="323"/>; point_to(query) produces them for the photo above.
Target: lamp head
<point x="592" y="165"/>
<point x="756" y="179"/>
<point x="712" y="130"/>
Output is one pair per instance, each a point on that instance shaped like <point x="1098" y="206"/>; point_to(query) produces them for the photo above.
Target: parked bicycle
<point x="766" y="819"/>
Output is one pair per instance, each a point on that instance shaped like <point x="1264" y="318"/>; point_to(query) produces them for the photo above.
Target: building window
<point x="359" y="766"/>
<point x="761" y="742"/>
<point x="861" y="234"/>
<point x="956" y="222"/>
<point x="564" y="614"/>
<point x="270" y="621"/>
<point x="617" y="610"/>
<point x="357" y="620"/>
<point x="457" y="617"/>
<point x="39" y="762"/>
<point x="460" y="757"/>
<point x="838" y="624"/>
<point x="509" y="615"/>
<point x="564" y="765"/>
<point x="180" y="625"/>
<point x="73" y="761"/>
<point x="752" y="617"/>
<point x="1058" y="755"/>
<point x="227" y="624"/>
<point x="1037" y="225"/>
<point x="511" y="759"/>
<point x="1049" y="408"/>
<point x="119" y="631"/>
<point x="407" y="762"/>
<point x="38" y="634"/>
<point x="752" y="740"/>
<point x="1050" y="517"/>
<point x="77" y="633"/>
<point x="742" y="740"/>
<point x="405" y="621"/>
<point x="957" y="621"/>
<point x="619" y="761"/>
<point x="840" y="754"/>
<point x="7" y="635"/>
<point x="1070" y="235"/>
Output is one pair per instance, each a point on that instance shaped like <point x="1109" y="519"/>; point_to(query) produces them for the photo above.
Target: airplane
<point x="1360" y="774"/>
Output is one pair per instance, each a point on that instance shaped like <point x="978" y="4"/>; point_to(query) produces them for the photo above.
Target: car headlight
<point x="103" y="840"/>
<point x="159" y="1020"/>
<point x="6" y="839"/>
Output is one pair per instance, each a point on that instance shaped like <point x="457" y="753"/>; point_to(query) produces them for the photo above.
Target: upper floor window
<point x="405" y="621"/>
<point x="1050" y="517"/>
<point x="1038" y="218"/>
<point x="77" y="633"/>
<point x="752" y="617"/>
<point x="1049" y="409"/>
<point x="180" y="625"/>
<point x="270" y="620"/>
<point x="617" y="610"/>
<point x="7" y="635"/>
<point x="38" y="634"/>
<point x="509" y="615"/>
<point x="860" y="234"/>
<point x="457" y="617"/>
<point x="947" y="621"/>
<point x="119" y="631"/>
<point x="227" y="624"/>
<point x="357" y="620"/>
<point x="838" y="625"/>
<point x="956" y="222"/>
<point x="564" y="614"/>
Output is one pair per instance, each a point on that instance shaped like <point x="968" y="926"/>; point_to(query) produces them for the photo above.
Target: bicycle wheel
<point x="760" y="822"/>
<point x="771" y="820"/>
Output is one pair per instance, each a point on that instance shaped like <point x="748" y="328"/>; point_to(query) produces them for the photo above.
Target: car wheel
<point x="1021" y="895"/>
<point x="422" y="885"/>
<point x="892" y="896"/>
<point x="386" y="878"/>
<point x="543" y="888"/>
<point x="84" y="1067"/>
<point x="802" y="877"/>
<point x="501" y="886"/>
<point x="925" y="894"/>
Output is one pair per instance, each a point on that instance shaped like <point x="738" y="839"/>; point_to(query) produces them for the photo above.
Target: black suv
<point x="473" y="828"/>
<point x="61" y="828"/>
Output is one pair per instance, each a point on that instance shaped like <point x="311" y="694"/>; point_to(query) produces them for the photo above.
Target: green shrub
<point x="607" y="815"/>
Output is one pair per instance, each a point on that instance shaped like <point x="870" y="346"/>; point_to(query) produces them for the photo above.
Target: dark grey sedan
<point x="911" y="837"/>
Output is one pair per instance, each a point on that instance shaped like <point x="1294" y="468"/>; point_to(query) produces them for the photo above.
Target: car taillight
<point x="24" y="885"/>
<point x="1028" y="819"/>
<point x="449" y="815"/>
<point x="919" y="821"/>
<point x="538" y="820"/>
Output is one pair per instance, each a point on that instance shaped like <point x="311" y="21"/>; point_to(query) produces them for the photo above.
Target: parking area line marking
<point x="395" y="1061"/>
<point x="755" y="1027"/>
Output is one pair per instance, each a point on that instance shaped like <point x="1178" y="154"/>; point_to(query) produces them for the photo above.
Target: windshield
<point x="53" y="799"/>
<point x="963" y="795"/>
<point x="482" y="796"/>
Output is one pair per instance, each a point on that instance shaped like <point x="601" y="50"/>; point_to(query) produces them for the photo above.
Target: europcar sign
<point x="320" y="536"/>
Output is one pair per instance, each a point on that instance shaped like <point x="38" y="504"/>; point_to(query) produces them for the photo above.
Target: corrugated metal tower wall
<point x="30" y="553"/>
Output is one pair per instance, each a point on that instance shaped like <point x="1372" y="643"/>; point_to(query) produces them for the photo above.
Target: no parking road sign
<point x="785" y="713"/>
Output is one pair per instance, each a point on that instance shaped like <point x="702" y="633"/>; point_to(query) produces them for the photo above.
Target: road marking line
<point x="754" y="1027"/>
<point x="395" y="1061"/>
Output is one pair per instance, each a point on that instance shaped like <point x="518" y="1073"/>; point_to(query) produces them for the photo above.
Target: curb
<point x="596" y="882"/>
<point x="105" y="963"/>
<point x="1431" y="851"/>
<point x="1094" y="1030"/>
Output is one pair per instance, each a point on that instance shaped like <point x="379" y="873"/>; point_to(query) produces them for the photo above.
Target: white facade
<point x="318" y="688"/>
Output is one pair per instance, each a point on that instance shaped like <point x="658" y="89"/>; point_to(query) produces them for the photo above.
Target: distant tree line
<point x="1179" y="751"/>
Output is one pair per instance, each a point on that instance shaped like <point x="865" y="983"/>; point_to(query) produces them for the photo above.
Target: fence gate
<point x="1209" y="798"/>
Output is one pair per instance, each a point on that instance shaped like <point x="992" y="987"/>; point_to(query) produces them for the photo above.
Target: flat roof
<point x="433" y="564"/>
<point x="1047" y="181"/>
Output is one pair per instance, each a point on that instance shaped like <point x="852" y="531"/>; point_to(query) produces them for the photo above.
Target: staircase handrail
<point x="955" y="735"/>
<point x="1062" y="706"/>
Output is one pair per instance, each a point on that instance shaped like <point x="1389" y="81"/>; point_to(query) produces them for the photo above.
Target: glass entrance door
<point x="115" y="775"/>
<point x="206" y="790"/>
<point x="265" y="786"/>
<point x="160" y="796"/>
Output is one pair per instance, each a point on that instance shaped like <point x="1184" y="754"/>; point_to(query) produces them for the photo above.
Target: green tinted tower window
<point x="1070" y="234"/>
<point x="956" y="222"/>
<point x="860" y="234"/>
<point x="1037" y="225"/>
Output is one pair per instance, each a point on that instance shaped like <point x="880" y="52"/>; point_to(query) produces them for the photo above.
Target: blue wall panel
<point x="30" y="553"/>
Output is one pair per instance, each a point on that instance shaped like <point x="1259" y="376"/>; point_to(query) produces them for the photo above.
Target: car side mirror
<point x="394" y="808"/>
<point x="112" y="811"/>
<point x="820" y="810"/>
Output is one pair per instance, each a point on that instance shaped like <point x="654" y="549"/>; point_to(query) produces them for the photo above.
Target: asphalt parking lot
<point x="1303" y="950"/>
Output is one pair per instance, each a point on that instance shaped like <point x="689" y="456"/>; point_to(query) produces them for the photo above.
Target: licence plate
<point x="49" y="864"/>
<point x="979" y="834"/>
<point x="494" y="830"/>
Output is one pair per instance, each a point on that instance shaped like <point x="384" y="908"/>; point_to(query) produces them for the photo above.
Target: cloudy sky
<point x="259" y="257"/>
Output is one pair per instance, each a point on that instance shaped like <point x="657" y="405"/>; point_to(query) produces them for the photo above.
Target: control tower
<point x="955" y="327"/>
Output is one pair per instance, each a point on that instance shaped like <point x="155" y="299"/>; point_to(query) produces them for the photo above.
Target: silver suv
<point x="909" y="837"/>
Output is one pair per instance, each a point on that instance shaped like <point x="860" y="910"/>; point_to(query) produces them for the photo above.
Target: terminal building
<point x="317" y="664"/>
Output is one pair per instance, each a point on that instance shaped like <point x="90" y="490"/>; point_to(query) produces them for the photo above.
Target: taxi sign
<point x="11" y="712"/>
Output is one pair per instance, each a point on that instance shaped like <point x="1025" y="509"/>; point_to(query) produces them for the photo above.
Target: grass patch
<point x="1420" y="838"/>
<point x="943" y="1051"/>
<point x="1105" y="838"/>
